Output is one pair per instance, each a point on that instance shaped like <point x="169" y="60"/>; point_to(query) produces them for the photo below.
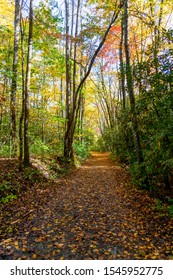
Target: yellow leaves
<point x="147" y="239"/>
<point x="93" y="246"/>
<point x="84" y="219"/>
<point x="59" y="245"/>
<point x="155" y="256"/>
<point x="6" y="12"/>
<point x="156" y="253"/>
<point x="34" y="256"/>
<point x="106" y="253"/>
<point x="34" y="229"/>
<point x="16" y="245"/>
<point x="41" y="238"/>
<point x="96" y="251"/>
<point x="127" y="253"/>
<point x="108" y="240"/>
<point x="81" y="234"/>
<point x="55" y="141"/>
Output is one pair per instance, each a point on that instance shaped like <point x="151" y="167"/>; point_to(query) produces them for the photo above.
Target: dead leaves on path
<point x="94" y="213"/>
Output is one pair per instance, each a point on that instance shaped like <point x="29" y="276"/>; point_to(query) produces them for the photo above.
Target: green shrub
<point x="6" y="192"/>
<point x="39" y="148"/>
<point x="4" y="150"/>
<point x="31" y="174"/>
<point x="8" y="198"/>
<point x="171" y="210"/>
<point x="81" y="150"/>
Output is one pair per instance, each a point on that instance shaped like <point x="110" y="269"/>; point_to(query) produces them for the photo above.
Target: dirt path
<point x="93" y="213"/>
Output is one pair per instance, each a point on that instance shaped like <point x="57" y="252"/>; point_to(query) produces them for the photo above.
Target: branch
<point x="77" y="102"/>
<point x="114" y="17"/>
<point x="28" y="213"/>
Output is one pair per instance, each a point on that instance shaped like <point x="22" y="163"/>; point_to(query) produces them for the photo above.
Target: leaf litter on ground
<point x="92" y="213"/>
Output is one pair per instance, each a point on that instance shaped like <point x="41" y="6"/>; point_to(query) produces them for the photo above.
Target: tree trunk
<point x="131" y="88"/>
<point x="14" y="79"/>
<point x="27" y="84"/>
<point x="23" y="99"/>
<point x="122" y="74"/>
<point x="71" y="122"/>
<point x="68" y="153"/>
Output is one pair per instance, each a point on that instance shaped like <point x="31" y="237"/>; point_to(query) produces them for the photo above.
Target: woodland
<point x="86" y="129"/>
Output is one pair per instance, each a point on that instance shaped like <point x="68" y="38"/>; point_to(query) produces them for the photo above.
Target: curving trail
<point x="93" y="213"/>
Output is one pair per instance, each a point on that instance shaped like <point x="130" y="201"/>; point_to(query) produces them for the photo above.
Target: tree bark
<point x="131" y="88"/>
<point x="27" y="84"/>
<point x="122" y="74"/>
<point x="68" y="153"/>
<point x="14" y="79"/>
<point x="23" y="98"/>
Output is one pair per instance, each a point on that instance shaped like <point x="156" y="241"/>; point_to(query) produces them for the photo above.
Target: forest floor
<point x="92" y="213"/>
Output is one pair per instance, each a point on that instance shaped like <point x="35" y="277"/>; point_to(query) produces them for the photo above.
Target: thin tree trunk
<point x="68" y="149"/>
<point x="14" y="78"/>
<point x="108" y="108"/>
<point x="122" y="77"/>
<point x="131" y="88"/>
<point x="27" y="84"/>
<point x="75" y="53"/>
<point x="23" y="100"/>
<point x="67" y="139"/>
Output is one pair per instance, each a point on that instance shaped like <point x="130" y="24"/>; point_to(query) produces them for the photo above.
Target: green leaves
<point x="6" y="192"/>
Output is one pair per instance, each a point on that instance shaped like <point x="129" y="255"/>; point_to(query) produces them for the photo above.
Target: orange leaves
<point x="59" y="245"/>
<point x="92" y="214"/>
<point x="41" y="238"/>
<point x="111" y="47"/>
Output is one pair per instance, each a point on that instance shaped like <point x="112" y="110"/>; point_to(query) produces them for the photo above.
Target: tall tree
<point x="14" y="78"/>
<point x="130" y="86"/>
<point x="68" y="153"/>
<point x="22" y="34"/>
<point x="27" y="84"/>
<point x="122" y="74"/>
<point x="71" y="122"/>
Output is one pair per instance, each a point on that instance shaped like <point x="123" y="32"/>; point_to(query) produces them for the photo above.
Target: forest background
<point x="88" y="75"/>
